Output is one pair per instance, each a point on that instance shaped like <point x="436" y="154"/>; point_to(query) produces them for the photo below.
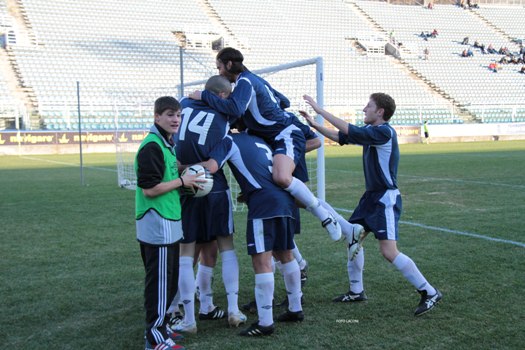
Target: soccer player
<point x="206" y="218"/>
<point x="157" y="215"/>
<point x="380" y="206"/>
<point x="270" y="228"/>
<point x="254" y="100"/>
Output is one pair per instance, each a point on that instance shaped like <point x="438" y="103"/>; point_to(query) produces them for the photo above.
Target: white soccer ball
<point x="206" y="186"/>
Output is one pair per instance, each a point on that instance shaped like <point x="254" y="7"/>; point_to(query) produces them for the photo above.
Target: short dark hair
<point x="386" y="102"/>
<point x="235" y="56"/>
<point x="166" y="102"/>
<point x="218" y="84"/>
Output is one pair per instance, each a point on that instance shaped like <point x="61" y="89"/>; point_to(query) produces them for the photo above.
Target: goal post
<point x="294" y="79"/>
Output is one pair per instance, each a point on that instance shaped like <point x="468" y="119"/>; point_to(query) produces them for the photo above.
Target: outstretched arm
<point x="340" y="124"/>
<point x="330" y="133"/>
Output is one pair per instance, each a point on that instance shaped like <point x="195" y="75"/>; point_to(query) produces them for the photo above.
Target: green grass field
<point x="72" y="277"/>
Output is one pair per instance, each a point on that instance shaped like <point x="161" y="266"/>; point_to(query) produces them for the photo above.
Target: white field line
<point x="425" y="178"/>
<point x="456" y="232"/>
<point x="74" y="165"/>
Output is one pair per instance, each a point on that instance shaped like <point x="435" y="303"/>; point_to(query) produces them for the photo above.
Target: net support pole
<point x="181" y="62"/>
<point x="320" y="151"/>
<point x="80" y="135"/>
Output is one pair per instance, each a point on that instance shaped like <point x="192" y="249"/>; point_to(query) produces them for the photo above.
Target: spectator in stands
<point x="476" y="44"/>
<point x="391" y="36"/>
<point x="470" y="53"/>
<point x="465" y="41"/>
<point x="482" y="49"/>
<point x="494" y="67"/>
<point x="426" y="53"/>
<point x="464" y="53"/>
<point x="430" y="5"/>
<point x="2" y="40"/>
<point x="504" y="60"/>
<point x="522" y="70"/>
<point x="471" y="5"/>
<point x="434" y="33"/>
<point x="491" y="49"/>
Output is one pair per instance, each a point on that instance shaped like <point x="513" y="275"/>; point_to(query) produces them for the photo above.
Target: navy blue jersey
<point x="201" y="129"/>
<point x="252" y="99"/>
<point x="380" y="154"/>
<point x="282" y="100"/>
<point x="309" y="134"/>
<point x="250" y="159"/>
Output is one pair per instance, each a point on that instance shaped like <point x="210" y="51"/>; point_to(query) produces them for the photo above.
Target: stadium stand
<point x="123" y="57"/>
<point x="467" y="80"/>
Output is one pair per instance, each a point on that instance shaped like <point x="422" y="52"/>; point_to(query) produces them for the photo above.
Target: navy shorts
<point x="273" y="234"/>
<point x="297" y="216"/>
<point x="379" y="212"/>
<point x="301" y="171"/>
<point x="290" y="142"/>
<point x="206" y="218"/>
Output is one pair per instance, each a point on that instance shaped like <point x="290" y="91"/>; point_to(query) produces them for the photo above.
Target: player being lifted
<point x="254" y="100"/>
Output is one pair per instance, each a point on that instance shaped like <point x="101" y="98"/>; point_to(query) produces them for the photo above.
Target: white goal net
<point x="293" y="79"/>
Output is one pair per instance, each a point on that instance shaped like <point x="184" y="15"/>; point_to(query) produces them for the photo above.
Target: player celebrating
<point x="207" y="218"/>
<point x="380" y="206"/>
<point x="254" y="100"/>
<point x="270" y="228"/>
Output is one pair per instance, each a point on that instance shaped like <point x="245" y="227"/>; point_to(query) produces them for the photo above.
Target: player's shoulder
<point x="384" y="128"/>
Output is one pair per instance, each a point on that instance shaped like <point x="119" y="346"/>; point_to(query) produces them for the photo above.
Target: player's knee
<point x="389" y="254"/>
<point x="225" y="243"/>
<point x="284" y="256"/>
<point x="281" y="179"/>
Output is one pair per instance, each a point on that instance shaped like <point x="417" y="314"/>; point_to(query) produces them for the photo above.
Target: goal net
<point x="293" y="79"/>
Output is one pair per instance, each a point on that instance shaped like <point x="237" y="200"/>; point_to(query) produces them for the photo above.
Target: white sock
<point x="204" y="281"/>
<point x="297" y="255"/>
<point x="230" y="278"/>
<point x="302" y="193"/>
<point x="409" y="269"/>
<point x="346" y="227"/>
<point x="292" y="282"/>
<point x="187" y="288"/>
<point x="174" y="303"/>
<point x="355" y="271"/>
<point x="264" y="286"/>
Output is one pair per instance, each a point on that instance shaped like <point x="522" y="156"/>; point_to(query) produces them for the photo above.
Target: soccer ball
<point x="206" y="186"/>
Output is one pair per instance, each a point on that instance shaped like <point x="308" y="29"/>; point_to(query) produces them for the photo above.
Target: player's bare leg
<point x="283" y="167"/>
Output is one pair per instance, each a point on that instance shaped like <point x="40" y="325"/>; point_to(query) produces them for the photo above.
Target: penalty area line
<point x="456" y="232"/>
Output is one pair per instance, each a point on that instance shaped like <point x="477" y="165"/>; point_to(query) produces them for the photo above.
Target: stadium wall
<point x="68" y="142"/>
